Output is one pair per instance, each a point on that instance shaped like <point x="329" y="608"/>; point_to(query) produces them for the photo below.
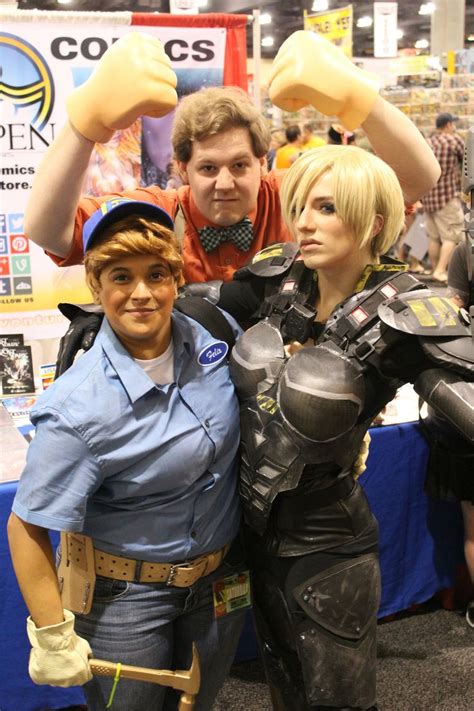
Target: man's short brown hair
<point x="210" y="111"/>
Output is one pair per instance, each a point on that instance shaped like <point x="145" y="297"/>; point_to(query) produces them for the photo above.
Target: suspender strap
<point x="208" y="316"/>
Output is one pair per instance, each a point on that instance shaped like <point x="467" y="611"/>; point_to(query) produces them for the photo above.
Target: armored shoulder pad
<point x="424" y="313"/>
<point x="271" y="261"/>
<point x="209" y="290"/>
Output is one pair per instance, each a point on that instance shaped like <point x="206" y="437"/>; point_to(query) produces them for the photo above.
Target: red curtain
<point x="235" y="62"/>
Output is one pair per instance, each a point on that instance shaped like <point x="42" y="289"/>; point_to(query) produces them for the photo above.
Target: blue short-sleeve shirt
<point x="147" y="471"/>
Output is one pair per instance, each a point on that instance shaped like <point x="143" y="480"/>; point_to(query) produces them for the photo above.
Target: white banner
<point x="385" y="29"/>
<point x="41" y="64"/>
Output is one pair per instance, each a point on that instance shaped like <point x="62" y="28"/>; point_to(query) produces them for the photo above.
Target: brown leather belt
<point x="180" y="575"/>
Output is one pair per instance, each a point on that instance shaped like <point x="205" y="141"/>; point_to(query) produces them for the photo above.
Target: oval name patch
<point x="210" y="355"/>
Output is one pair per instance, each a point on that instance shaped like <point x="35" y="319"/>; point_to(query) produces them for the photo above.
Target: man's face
<point x="224" y="176"/>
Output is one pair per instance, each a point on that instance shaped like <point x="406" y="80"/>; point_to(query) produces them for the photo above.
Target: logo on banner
<point x="15" y="259"/>
<point x="26" y="79"/>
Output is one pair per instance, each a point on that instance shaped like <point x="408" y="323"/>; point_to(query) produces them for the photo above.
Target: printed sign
<point x="41" y="64"/>
<point x="335" y="26"/>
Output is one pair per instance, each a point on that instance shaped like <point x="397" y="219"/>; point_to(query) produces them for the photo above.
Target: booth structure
<point x="421" y="545"/>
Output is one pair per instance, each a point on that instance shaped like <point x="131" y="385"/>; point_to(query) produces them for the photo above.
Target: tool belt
<point x="81" y="562"/>
<point x="180" y="575"/>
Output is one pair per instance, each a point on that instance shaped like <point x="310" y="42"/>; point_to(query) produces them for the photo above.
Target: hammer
<point x="188" y="681"/>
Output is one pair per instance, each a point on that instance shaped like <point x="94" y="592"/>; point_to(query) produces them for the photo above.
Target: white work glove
<point x="58" y="656"/>
<point x="134" y="78"/>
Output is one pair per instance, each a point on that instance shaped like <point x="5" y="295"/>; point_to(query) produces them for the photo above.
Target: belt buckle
<point x="172" y="574"/>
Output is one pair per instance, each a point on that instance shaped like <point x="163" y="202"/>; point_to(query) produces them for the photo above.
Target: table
<point x="420" y="546"/>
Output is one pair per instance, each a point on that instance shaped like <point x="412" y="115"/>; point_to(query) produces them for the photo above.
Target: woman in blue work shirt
<point x="135" y="448"/>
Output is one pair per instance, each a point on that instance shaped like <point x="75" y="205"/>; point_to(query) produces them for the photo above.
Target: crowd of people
<point x="287" y="257"/>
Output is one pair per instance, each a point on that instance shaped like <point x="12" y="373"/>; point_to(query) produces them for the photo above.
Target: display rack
<point x="421" y="98"/>
<point x="455" y="95"/>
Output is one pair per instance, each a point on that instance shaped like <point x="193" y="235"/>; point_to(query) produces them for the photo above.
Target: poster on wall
<point x="334" y="25"/>
<point x="41" y="64"/>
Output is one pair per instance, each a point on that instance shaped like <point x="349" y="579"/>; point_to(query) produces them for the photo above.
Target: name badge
<point x="210" y="355"/>
<point x="231" y="593"/>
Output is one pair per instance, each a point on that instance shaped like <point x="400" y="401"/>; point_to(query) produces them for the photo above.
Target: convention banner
<point x="335" y="26"/>
<point x="385" y="29"/>
<point x="41" y="63"/>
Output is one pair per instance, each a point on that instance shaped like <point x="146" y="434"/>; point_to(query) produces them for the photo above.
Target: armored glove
<point x="58" y="656"/>
<point x="134" y="78"/>
<point x="360" y="463"/>
<point x="79" y="336"/>
<point x="310" y="70"/>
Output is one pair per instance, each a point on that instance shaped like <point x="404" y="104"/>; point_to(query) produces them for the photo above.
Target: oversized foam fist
<point x="58" y="656"/>
<point x="310" y="70"/>
<point x="133" y="78"/>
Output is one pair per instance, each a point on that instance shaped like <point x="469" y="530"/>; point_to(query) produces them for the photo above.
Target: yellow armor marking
<point x="421" y="312"/>
<point x="272" y="251"/>
<point x="444" y="309"/>
<point x="267" y="404"/>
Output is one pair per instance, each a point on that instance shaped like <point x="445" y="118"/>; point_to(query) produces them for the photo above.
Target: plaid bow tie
<point x="240" y="234"/>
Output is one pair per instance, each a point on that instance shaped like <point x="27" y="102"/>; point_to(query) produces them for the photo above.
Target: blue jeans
<point x="154" y="625"/>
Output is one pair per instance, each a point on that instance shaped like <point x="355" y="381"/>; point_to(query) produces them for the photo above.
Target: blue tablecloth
<point x="420" y="547"/>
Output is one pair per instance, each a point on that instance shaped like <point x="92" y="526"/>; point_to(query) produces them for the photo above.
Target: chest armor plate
<point x="296" y="411"/>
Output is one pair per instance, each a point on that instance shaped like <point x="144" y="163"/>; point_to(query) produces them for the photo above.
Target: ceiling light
<point x="268" y="41"/>
<point x="422" y="44"/>
<point x="365" y="21"/>
<point x="265" y="18"/>
<point x="399" y="34"/>
<point x="319" y="5"/>
<point x="427" y="8"/>
<point x="65" y="2"/>
<point x="470" y="38"/>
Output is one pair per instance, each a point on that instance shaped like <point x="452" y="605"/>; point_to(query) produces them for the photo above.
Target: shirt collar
<point x="373" y="274"/>
<point x="134" y="380"/>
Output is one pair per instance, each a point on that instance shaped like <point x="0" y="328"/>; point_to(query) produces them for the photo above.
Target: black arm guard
<point x="79" y="336"/>
<point x="450" y="396"/>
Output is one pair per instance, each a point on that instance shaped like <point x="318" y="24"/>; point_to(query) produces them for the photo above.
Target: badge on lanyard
<point x="231" y="593"/>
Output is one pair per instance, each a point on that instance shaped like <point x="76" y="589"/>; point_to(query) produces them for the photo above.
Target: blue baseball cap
<point x="114" y="210"/>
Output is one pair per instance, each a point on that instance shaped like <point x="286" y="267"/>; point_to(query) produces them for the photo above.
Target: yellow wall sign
<point x="335" y="26"/>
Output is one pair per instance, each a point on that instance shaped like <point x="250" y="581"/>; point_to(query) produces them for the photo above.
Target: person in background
<point x="145" y="432"/>
<point x="325" y="352"/>
<point x="338" y="136"/>
<point x="277" y="140"/>
<point x="229" y="205"/>
<point x="309" y="139"/>
<point x="287" y="154"/>
<point x="442" y="205"/>
<point x="451" y="462"/>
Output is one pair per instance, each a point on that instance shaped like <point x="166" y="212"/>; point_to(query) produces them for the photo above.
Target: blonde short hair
<point x="210" y="111"/>
<point x="131" y="236"/>
<point x="363" y="187"/>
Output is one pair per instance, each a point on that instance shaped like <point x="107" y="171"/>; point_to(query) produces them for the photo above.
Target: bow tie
<point x="240" y="234"/>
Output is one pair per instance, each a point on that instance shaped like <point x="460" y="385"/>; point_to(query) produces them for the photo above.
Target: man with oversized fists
<point x="230" y="205"/>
